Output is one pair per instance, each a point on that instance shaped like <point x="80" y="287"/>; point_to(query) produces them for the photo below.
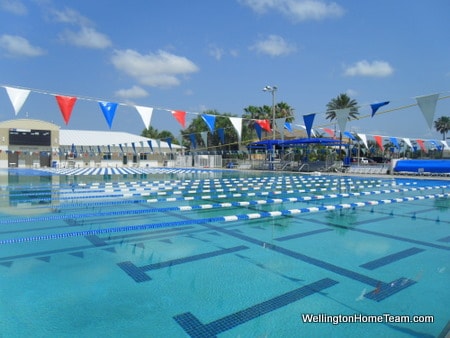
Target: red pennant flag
<point x="422" y="145"/>
<point x="66" y="104"/>
<point x="264" y="124"/>
<point x="379" y="141"/>
<point x="180" y="116"/>
<point x="329" y="132"/>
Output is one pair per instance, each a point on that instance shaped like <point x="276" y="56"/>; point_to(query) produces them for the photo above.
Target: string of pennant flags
<point x="66" y="103"/>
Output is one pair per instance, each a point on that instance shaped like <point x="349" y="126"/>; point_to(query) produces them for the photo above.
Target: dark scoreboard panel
<point x="29" y="137"/>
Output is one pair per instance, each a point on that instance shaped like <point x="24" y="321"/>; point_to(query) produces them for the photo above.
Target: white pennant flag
<point x="18" y="97"/>
<point x="237" y="124"/>
<point x="146" y="114"/>
<point x="279" y="123"/>
<point x="427" y="105"/>
<point x="408" y="142"/>
<point x="364" y="139"/>
<point x="342" y="117"/>
<point x="204" y="135"/>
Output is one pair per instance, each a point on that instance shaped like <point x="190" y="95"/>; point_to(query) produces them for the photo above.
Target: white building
<point x="30" y="143"/>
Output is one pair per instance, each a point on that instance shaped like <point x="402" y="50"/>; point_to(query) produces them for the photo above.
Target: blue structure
<point x="423" y="166"/>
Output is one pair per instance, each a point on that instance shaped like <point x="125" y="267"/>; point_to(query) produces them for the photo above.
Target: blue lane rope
<point x="233" y="218"/>
<point x="215" y="205"/>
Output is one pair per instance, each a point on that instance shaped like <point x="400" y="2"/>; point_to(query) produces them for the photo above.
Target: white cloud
<point x="216" y="52"/>
<point x="153" y="69"/>
<point x="13" y="6"/>
<point x="274" y="45"/>
<point x="351" y="92"/>
<point x="365" y="68"/>
<point x="18" y="46"/>
<point x="86" y="37"/>
<point x="297" y="10"/>
<point x="132" y="93"/>
<point x="70" y="16"/>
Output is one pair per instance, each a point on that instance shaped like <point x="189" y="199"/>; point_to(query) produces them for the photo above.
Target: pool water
<point x="179" y="253"/>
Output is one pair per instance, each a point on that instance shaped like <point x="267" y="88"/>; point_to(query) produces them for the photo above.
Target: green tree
<point x="253" y="113"/>
<point x="342" y="101"/>
<point x="442" y="125"/>
<point x="153" y="133"/>
<point x="198" y="125"/>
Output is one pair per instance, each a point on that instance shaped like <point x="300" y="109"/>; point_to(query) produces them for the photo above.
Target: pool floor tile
<point x="194" y="327"/>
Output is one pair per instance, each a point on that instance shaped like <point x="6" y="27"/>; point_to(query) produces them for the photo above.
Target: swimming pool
<point x="201" y="253"/>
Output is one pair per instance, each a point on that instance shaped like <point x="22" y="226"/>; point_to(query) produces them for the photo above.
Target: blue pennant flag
<point x="350" y="135"/>
<point x="308" y="119"/>
<point x="221" y="133"/>
<point x="149" y="142"/>
<point x="258" y="130"/>
<point x="288" y="126"/>
<point x="193" y="140"/>
<point x="376" y="106"/>
<point x="169" y="142"/>
<point x="210" y="121"/>
<point x="395" y="142"/>
<point x="109" y="110"/>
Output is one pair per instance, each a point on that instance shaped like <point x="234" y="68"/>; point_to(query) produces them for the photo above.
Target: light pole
<point x="272" y="90"/>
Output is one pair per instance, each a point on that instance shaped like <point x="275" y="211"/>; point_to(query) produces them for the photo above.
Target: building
<point x="28" y="143"/>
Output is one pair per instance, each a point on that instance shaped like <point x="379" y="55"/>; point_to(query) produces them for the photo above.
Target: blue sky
<point x="199" y="55"/>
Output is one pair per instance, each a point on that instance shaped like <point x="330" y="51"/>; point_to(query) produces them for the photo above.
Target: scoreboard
<point x="29" y="137"/>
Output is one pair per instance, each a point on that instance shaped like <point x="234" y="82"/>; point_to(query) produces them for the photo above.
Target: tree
<point x="159" y="135"/>
<point x="342" y="101"/>
<point x="253" y="113"/>
<point x="442" y="125"/>
<point x="198" y="125"/>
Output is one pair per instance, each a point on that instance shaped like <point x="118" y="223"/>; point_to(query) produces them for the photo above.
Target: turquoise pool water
<point x="179" y="253"/>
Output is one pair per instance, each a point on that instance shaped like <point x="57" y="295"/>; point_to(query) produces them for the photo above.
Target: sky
<point x="202" y="55"/>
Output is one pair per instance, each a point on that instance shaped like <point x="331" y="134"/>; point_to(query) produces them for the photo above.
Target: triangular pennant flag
<point x="288" y="126"/>
<point x="133" y="145"/>
<point x="342" y="117"/>
<point x="17" y="97"/>
<point x="395" y="142"/>
<point x="158" y="143"/>
<point x="210" y="121"/>
<point x="146" y="115"/>
<point x="264" y="124"/>
<point x="408" y="142"/>
<point x="376" y="106"/>
<point x="109" y="110"/>
<point x="364" y="139"/>
<point x="349" y="135"/>
<point x="258" y="130"/>
<point x="193" y="141"/>
<point x="66" y="104"/>
<point x="279" y="124"/>
<point x="309" y="119"/>
<point x="169" y="142"/>
<point x="237" y="124"/>
<point x="149" y="142"/>
<point x="422" y="145"/>
<point x="427" y="105"/>
<point x="379" y="141"/>
<point x="180" y="116"/>
<point x="329" y="131"/>
<point x="221" y="133"/>
<point x="204" y="135"/>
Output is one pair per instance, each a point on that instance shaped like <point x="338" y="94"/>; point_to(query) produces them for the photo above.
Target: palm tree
<point x="342" y="101"/>
<point x="442" y="125"/>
